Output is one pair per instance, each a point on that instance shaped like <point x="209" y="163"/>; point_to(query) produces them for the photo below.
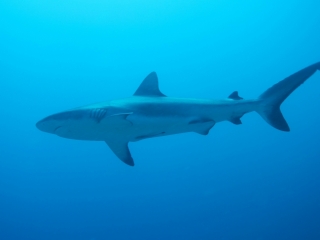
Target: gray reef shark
<point x="149" y="113"/>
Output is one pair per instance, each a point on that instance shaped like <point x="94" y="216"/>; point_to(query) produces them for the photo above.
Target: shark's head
<point x="49" y="124"/>
<point x="85" y="123"/>
<point x="59" y="123"/>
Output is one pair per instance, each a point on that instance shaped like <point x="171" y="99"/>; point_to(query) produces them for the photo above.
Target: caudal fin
<point x="272" y="99"/>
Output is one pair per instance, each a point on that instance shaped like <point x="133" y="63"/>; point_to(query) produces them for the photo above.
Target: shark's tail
<point x="269" y="109"/>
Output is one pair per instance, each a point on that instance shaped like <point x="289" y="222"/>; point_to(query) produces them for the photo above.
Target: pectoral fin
<point x="121" y="150"/>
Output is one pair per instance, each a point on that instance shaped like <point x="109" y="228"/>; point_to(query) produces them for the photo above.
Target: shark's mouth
<point x="56" y="129"/>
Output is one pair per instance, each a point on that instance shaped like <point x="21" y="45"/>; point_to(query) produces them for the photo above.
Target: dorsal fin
<point x="149" y="87"/>
<point x="235" y="96"/>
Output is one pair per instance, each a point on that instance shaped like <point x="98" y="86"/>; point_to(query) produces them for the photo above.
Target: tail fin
<point x="274" y="96"/>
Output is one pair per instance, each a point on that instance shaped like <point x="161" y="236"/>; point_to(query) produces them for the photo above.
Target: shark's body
<point x="149" y="113"/>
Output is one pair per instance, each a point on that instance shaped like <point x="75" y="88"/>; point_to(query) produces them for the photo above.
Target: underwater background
<point x="239" y="182"/>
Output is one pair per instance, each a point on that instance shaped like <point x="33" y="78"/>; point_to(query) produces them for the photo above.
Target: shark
<point x="149" y="113"/>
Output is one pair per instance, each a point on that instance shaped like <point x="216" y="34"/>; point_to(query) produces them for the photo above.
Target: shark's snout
<point x="39" y="125"/>
<point x="59" y="123"/>
<point x="48" y="124"/>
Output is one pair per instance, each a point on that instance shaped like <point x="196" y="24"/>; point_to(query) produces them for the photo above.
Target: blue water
<point x="239" y="182"/>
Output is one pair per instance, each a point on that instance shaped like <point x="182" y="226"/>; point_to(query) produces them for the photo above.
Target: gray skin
<point x="149" y="113"/>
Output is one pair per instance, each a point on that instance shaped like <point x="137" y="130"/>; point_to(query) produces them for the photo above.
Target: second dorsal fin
<point x="149" y="87"/>
<point x="235" y="96"/>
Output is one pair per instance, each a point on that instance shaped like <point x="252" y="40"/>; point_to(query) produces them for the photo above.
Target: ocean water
<point x="239" y="182"/>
